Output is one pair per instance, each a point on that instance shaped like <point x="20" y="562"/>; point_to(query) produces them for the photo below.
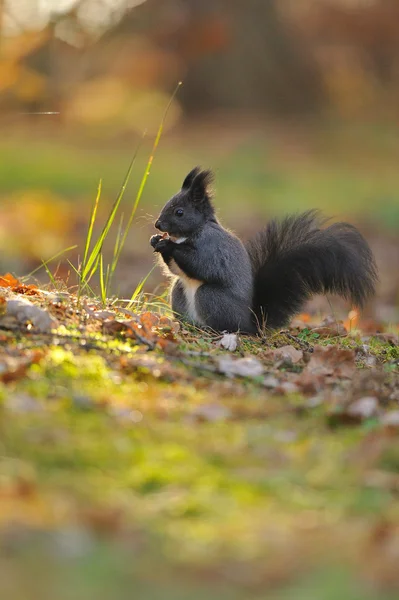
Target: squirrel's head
<point x="190" y="208"/>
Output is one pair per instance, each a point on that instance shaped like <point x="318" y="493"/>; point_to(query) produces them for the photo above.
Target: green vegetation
<point x="119" y="462"/>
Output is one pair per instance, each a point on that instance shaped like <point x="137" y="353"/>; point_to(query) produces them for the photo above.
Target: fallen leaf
<point x="310" y="383"/>
<point x="24" y="311"/>
<point x="167" y="322"/>
<point x="229" y="342"/>
<point x="326" y="331"/>
<point x="8" y="281"/>
<point x="331" y="361"/>
<point x="27" y="290"/>
<point x="391" y="338"/>
<point x="149" y="320"/>
<point x="288" y="353"/>
<point x="167" y="329"/>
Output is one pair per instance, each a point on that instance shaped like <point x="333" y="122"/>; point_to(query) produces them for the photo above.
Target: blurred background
<point x="293" y="104"/>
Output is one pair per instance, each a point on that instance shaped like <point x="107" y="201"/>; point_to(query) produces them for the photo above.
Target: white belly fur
<point x="190" y="287"/>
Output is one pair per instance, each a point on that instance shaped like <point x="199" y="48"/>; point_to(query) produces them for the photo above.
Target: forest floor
<point x="137" y="454"/>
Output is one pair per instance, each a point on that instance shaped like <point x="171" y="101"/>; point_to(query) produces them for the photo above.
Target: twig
<point x="301" y="343"/>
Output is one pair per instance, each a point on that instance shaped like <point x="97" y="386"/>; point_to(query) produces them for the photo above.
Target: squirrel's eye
<point x="179" y="212"/>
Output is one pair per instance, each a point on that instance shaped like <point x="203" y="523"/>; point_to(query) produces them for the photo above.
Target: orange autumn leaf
<point x="149" y="320"/>
<point x="28" y="290"/>
<point x="167" y="322"/>
<point x="8" y="280"/>
<point x="305" y="317"/>
<point x="352" y="321"/>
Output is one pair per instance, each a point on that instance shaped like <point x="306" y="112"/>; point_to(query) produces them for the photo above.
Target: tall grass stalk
<point x="45" y="263"/>
<point x="143" y="182"/>
<point x="139" y="288"/>
<point x="93" y="259"/>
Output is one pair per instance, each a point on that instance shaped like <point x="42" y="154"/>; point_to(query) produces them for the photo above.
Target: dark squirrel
<point x="223" y="284"/>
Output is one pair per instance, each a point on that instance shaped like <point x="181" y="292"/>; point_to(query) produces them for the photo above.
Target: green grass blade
<point x="51" y="276"/>
<point x="146" y="172"/>
<point x="139" y="288"/>
<point x="86" y="283"/>
<point x="102" y="281"/>
<point x="94" y="254"/>
<point x="49" y="260"/>
<point x="91" y="224"/>
<point x="116" y="249"/>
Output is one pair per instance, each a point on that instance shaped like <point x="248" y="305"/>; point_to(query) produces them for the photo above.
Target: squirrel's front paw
<point x="154" y="239"/>
<point x="162" y="245"/>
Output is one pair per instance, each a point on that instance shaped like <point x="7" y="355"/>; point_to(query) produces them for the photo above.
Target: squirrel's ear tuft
<point x="200" y="186"/>
<point x="190" y="178"/>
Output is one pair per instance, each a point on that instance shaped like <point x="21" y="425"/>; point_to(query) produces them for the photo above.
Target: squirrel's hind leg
<point x="219" y="310"/>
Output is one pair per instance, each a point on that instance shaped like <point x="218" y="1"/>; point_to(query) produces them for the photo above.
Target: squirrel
<point x="222" y="284"/>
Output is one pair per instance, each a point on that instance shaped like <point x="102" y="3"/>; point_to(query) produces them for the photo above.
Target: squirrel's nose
<point x="158" y="224"/>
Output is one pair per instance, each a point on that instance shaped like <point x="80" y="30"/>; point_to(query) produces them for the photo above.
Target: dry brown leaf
<point x="229" y="342"/>
<point x="327" y="331"/>
<point x="285" y="353"/>
<point x="149" y="320"/>
<point x="391" y="338"/>
<point x="310" y="383"/>
<point x="167" y="322"/>
<point x="27" y="290"/>
<point x="331" y="361"/>
<point x="23" y="311"/>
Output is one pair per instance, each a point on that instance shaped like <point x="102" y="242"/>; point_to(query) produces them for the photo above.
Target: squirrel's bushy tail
<point x="294" y="259"/>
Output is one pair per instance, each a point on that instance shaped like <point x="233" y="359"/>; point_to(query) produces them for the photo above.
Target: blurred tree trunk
<point x="262" y="66"/>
